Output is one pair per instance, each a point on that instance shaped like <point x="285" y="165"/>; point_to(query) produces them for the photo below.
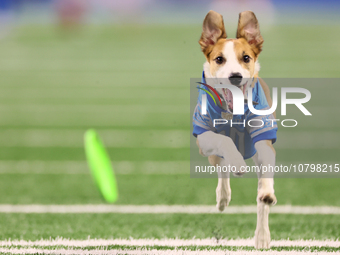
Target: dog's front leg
<point x="213" y="145"/>
<point x="223" y="190"/>
<point x="264" y="157"/>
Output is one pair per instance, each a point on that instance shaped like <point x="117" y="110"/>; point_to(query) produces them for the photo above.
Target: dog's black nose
<point x="235" y="78"/>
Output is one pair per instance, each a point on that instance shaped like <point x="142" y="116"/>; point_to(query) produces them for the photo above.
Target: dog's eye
<point x="219" y="60"/>
<point x="246" y="58"/>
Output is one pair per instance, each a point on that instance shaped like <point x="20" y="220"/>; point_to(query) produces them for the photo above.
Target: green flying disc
<point x="100" y="165"/>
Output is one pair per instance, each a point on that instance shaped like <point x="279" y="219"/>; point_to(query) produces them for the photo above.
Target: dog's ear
<point x="249" y="29"/>
<point x="213" y="29"/>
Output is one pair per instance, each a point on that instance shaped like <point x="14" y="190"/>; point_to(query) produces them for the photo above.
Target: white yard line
<point x="156" y="209"/>
<point x="154" y="252"/>
<point x="169" y="242"/>
<point x="101" y="243"/>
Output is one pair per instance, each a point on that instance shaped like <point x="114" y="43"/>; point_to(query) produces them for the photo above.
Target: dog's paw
<point x="262" y="238"/>
<point x="267" y="197"/>
<point x="223" y="203"/>
<point x="223" y="197"/>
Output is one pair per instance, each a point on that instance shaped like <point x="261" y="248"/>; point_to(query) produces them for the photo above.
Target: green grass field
<point x="131" y="83"/>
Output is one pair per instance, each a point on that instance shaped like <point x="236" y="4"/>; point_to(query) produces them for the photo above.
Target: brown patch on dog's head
<point x="242" y="49"/>
<point x="213" y="30"/>
<point x="249" y="29"/>
<point x="214" y="52"/>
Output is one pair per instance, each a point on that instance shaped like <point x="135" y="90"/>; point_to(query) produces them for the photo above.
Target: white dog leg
<point x="262" y="233"/>
<point x="223" y="191"/>
<point x="211" y="143"/>
<point x="265" y="156"/>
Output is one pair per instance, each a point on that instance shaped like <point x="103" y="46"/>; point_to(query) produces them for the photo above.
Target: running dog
<point x="236" y="61"/>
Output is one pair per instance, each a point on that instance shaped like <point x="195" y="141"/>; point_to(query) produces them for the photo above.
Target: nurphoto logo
<point x="239" y="102"/>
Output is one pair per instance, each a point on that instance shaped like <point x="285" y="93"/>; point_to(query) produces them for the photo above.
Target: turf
<point x="184" y="226"/>
<point x="159" y="189"/>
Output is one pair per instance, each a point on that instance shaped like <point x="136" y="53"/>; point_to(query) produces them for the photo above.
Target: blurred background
<point x="124" y="68"/>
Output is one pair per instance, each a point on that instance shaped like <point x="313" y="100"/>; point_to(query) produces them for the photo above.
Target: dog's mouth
<point x="228" y="97"/>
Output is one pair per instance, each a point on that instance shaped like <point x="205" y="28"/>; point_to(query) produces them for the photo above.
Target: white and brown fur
<point x="225" y="57"/>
